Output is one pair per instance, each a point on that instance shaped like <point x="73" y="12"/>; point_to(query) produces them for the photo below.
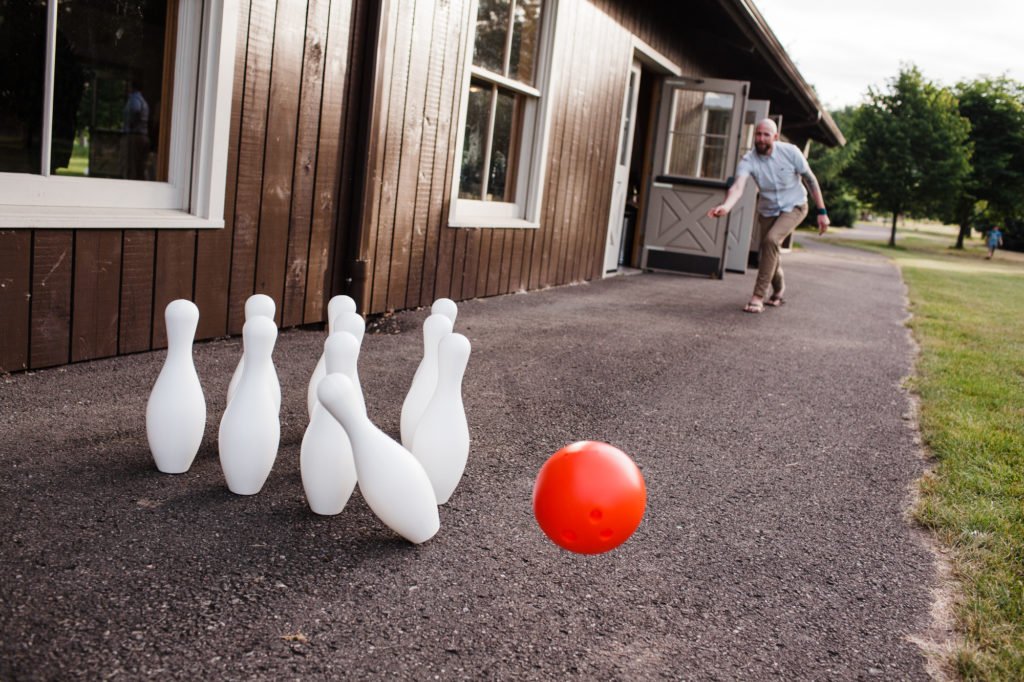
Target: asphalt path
<point x="778" y="451"/>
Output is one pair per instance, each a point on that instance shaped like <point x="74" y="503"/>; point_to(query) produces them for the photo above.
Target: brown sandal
<point x="754" y="307"/>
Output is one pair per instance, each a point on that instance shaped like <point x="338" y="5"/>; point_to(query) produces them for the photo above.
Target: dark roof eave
<point x="753" y="24"/>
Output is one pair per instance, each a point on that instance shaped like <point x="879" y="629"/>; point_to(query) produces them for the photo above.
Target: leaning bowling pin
<point x="446" y="307"/>
<point x="250" y="430"/>
<point x="391" y="480"/>
<point x="257" y="304"/>
<point x="176" y="409"/>
<point x="336" y="306"/>
<point x="435" y="328"/>
<point x="325" y="459"/>
<point x="441" y="442"/>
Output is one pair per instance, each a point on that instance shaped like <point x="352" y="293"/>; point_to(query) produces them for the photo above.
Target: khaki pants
<point x="774" y="230"/>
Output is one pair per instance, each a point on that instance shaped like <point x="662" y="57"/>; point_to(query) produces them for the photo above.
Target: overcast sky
<point x="843" y="46"/>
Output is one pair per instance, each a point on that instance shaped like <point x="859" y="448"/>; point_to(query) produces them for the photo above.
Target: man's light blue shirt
<point x="778" y="177"/>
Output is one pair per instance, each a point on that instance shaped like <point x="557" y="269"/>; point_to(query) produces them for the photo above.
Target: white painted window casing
<point x="193" y="196"/>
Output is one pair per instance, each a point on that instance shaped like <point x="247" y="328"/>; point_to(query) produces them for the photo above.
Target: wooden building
<point x="396" y="150"/>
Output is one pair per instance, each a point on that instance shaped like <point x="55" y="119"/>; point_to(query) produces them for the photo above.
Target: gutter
<point x="749" y="19"/>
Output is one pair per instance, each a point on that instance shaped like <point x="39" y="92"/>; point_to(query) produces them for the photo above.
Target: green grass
<point x="968" y="317"/>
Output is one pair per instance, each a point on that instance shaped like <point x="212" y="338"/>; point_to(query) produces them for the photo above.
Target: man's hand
<point x="823" y="223"/>
<point x="718" y="211"/>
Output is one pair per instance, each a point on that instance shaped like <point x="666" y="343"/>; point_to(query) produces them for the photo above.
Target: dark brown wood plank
<point x="272" y="251"/>
<point x="496" y="263"/>
<point x="330" y="231"/>
<point x="410" y="211"/>
<point x="594" y="216"/>
<point x="580" y="140"/>
<point x="541" y="252"/>
<point x="175" y="269"/>
<point x="470" y="262"/>
<point x="449" y="259"/>
<point x="584" y="145"/>
<point x="432" y="161"/>
<point x="477" y="283"/>
<point x="213" y="250"/>
<point x="459" y="241"/>
<point x="251" y="147"/>
<point x="306" y="153"/>
<point x="514" y="282"/>
<point x="97" y="286"/>
<point x="52" y="260"/>
<point x="398" y="75"/>
<point x="15" y="298"/>
<point x="551" y="257"/>
<point x="138" y="251"/>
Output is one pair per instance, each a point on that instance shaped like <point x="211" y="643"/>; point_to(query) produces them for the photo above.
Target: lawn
<point x="968" y="318"/>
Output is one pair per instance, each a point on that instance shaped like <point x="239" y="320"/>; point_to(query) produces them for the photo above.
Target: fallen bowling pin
<point x="336" y="306"/>
<point x="263" y="305"/>
<point x="250" y="430"/>
<point x="391" y="480"/>
<point x="435" y="328"/>
<point x="441" y="443"/>
<point x="325" y="458"/>
<point x="176" y="409"/>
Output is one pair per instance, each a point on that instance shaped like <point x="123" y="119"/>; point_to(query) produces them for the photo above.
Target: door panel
<point x="620" y="189"/>
<point x="696" y="148"/>
<point x="743" y="217"/>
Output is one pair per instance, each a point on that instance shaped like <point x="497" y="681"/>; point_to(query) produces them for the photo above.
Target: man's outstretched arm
<point x="731" y="197"/>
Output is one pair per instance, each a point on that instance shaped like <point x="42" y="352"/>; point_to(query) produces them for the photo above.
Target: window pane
<point x="504" y="148"/>
<point x="22" y="56"/>
<point x="491" y="35"/>
<point x="475" y="141"/>
<point x="525" y="32"/>
<point x="109" y="89"/>
<point x="697" y="141"/>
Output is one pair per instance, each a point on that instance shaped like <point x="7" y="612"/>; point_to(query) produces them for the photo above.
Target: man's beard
<point x="763" y="147"/>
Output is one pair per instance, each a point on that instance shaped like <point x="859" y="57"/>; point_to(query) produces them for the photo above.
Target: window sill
<point x="492" y="222"/>
<point x="31" y="217"/>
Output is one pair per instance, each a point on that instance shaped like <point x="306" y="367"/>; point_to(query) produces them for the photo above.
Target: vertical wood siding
<point x="312" y="196"/>
<point x="412" y="256"/>
<point x="70" y="295"/>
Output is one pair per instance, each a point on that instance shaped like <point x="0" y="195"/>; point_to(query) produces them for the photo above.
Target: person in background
<point x="781" y="173"/>
<point x="135" y="142"/>
<point x="993" y="239"/>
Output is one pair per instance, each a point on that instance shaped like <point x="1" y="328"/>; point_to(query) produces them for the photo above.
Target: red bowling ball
<point x="589" y="497"/>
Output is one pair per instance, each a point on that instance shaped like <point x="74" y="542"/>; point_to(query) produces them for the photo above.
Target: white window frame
<point x="193" y="195"/>
<point x="524" y="212"/>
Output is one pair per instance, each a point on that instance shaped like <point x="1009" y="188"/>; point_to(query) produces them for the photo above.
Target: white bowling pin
<point x="446" y="307"/>
<point x="176" y="409"/>
<point x="337" y="305"/>
<point x="325" y="459"/>
<point x="257" y="304"/>
<point x="435" y="328"/>
<point x="441" y="442"/>
<point x="391" y="480"/>
<point x="355" y="325"/>
<point x="250" y="430"/>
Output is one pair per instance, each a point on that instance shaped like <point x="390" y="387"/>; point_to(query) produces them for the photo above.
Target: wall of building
<point x="301" y="223"/>
<point x="71" y="295"/>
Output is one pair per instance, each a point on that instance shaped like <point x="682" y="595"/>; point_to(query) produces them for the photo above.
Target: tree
<point x="994" y="190"/>
<point x="914" y="152"/>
